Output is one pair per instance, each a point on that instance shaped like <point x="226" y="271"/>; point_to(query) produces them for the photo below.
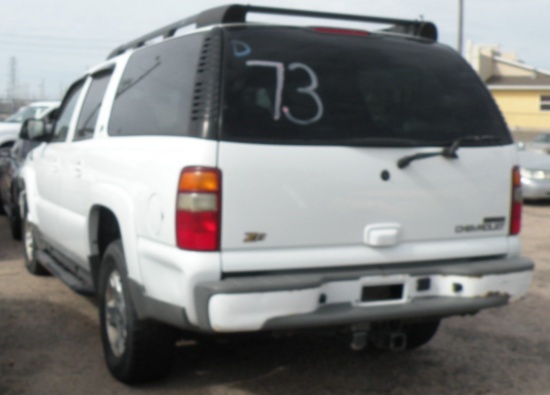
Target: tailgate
<point x="355" y="200"/>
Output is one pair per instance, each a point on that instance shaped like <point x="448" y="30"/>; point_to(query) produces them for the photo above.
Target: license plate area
<point x="382" y="290"/>
<point x="382" y="293"/>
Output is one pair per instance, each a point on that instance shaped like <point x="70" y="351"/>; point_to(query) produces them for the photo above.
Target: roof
<point x="504" y="71"/>
<point x="236" y="13"/>
<point x="538" y="81"/>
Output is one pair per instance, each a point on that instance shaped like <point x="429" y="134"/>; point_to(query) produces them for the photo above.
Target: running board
<point x="70" y="279"/>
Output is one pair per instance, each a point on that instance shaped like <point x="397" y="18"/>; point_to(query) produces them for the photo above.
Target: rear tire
<point x="135" y="350"/>
<point x="420" y="333"/>
<point x="30" y="248"/>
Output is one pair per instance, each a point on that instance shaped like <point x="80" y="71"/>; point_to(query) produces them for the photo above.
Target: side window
<point x="92" y="104"/>
<point x="156" y="90"/>
<point x="66" y="113"/>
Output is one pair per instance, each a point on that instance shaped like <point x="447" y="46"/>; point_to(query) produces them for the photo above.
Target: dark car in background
<point x="11" y="160"/>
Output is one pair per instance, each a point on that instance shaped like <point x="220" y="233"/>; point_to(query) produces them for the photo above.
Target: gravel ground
<point x="49" y="344"/>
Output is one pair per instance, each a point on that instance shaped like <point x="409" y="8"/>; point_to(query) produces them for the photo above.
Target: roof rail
<point x="236" y="13"/>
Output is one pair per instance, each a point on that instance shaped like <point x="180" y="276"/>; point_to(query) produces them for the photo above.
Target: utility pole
<point x="11" y="91"/>
<point x="460" y="25"/>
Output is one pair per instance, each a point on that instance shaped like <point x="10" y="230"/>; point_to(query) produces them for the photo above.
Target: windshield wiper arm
<point x="406" y="160"/>
<point x="448" y="151"/>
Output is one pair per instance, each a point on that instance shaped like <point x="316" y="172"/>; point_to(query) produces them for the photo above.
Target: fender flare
<point x="115" y="199"/>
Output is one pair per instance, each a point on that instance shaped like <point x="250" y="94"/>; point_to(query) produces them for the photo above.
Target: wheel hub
<point x="115" y="314"/>
<point x="29" y="241"/>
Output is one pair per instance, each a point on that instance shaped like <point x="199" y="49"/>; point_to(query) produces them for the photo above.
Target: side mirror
<point x="34" y="130"/>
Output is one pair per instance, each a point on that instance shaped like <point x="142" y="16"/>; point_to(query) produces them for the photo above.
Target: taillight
<point x="198" y="209"/>
<point x="515" y="215"/>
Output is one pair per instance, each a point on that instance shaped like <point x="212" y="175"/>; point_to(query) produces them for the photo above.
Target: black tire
<point x="417" y="333"/>
<point x="420" y="333"/>
<point x="135" y="350"/>
<point x="29" y="250"/>
<point x="15" y="225"/>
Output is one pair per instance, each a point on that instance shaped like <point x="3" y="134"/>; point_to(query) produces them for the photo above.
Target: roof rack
<point x="236" y="13"/>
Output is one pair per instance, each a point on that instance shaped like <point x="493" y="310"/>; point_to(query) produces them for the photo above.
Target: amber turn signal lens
<point x="199" y="179"/>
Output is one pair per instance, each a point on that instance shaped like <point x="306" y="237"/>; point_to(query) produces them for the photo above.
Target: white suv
<point x="250" y="177"/>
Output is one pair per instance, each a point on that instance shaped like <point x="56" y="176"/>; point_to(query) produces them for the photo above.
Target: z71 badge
<point x="488" y="225"/>
<point x="251" y="237"/>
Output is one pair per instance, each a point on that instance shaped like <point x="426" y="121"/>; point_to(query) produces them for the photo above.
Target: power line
<point x="83" y="47"/>
<point x="12" y="79"/>
<point x="42" y="37"/>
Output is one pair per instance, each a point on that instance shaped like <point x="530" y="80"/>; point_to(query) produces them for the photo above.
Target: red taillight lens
<point x="515" y="215"/>
<point x="198" y="209"/>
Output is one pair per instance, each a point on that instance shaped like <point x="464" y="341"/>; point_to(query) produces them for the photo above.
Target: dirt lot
<point x="49" y="344"/>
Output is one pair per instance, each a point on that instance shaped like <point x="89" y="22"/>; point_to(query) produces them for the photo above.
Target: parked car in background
<point x="9" y="128"/>
<point x="535" y="174"/>
<point x="541" y="143"/>
<point x="11" y="160"/>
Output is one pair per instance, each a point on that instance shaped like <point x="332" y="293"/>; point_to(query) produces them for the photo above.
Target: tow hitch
<point x="381" y="336"/>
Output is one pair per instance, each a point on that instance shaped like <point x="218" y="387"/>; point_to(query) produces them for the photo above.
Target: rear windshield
<point x="303" y="86"/>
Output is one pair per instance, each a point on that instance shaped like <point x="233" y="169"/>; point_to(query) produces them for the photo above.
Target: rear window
<point x="299" y="86"/>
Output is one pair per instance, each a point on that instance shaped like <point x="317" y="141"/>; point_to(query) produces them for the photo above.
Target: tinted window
<point x="66" y="113"/>
<point x="296" y="86"/>
<point x="156" y="90"/>
<point x="92" y="104"/>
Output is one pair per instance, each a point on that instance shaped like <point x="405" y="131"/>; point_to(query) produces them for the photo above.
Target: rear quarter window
<point x="155" y="93"/>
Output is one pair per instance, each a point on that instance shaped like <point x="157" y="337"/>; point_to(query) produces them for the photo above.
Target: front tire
<point x="135" y="350"/>
<point x="15" y="225"/>
<point x="30" y="249"/>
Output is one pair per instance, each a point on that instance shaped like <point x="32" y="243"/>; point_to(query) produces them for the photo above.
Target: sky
<point x="54" y="42"/>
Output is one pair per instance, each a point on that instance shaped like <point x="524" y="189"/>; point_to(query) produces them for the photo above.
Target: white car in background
<point x="535" y="175"/>
<point x="9" y="129"/>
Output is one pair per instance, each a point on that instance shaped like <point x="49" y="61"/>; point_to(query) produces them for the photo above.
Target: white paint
<point x="382" y="235"/>
<point x="155" y="215"/>
<point x="250" y="311"/>
<point x="314" y="203"/>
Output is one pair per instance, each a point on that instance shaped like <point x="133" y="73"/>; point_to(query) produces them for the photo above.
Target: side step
<point x="74" y="282"/>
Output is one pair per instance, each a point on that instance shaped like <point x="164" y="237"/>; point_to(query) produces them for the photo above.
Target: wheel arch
<point x="7" y="143"/>
<point x="111" y="218"/>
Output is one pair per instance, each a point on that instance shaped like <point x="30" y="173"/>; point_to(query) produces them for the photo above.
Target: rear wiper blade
<point x="449" y="151"/>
